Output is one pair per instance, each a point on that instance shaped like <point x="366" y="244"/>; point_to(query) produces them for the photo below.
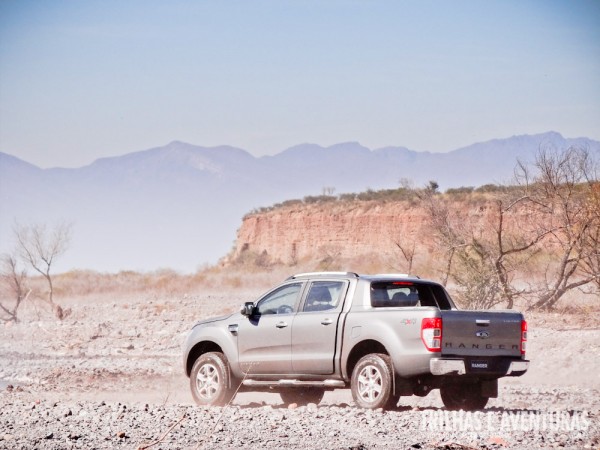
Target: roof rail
<point x="323" y="274"/>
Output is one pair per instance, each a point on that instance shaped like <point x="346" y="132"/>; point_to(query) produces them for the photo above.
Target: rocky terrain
<point x="110" y="376"/>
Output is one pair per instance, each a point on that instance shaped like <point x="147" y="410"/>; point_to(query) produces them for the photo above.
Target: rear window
<point x="398" y="294"/>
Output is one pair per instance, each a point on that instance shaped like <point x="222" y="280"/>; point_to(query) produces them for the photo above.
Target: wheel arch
<point x="361" y="349"/>
<point x="198" y="350"/>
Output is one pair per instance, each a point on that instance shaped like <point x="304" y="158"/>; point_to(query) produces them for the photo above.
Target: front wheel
<point x="371" y="382"/>
<point x="463" y="396"/>
<point x="302" y="396"/>
<point x="209" y="380"/>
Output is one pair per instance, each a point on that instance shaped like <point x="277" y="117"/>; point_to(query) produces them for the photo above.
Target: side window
<point x="324" y="295"/>
<point x="280" y="301"/>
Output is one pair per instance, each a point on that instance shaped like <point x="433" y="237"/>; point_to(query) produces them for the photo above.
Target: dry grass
<point x="252" y="279"/>
<point x="84" y="283"/>
<point x="161" y="291"/>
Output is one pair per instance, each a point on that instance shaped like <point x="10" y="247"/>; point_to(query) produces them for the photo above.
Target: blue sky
<point x="81" y="80"/>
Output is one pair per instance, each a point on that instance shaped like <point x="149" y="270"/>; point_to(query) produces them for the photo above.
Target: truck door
<point x="314" y="330"/>
<point x="264" y="339"/>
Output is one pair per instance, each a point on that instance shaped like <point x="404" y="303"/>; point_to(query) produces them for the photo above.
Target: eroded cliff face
<point x="313" y="231"/>
<point x="385" y="234"/>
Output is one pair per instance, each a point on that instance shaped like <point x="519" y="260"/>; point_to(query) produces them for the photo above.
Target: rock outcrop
<point x="331" y="230"/>
<point x="367" y="235"/>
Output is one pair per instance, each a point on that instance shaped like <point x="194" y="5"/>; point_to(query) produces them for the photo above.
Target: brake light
<point x="523" y="336"/>
<point x="431" y="333"/>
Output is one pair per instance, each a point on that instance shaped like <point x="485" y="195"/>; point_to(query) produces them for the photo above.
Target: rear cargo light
<point x="523" y="336"/>
<point x="431" y="333"/>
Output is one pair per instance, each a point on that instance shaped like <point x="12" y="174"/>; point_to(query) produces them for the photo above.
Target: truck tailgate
<point x="481" y="333"/>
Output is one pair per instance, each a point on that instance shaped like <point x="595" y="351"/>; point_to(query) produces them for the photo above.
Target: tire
<point x="302" y="396"/>
<point x="210" y="380"/>
<point x="463" y="396"/>
<point x="371" y="382"/>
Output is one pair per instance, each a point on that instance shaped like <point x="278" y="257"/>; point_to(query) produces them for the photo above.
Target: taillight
<point x="431" y="333"/>
<point x="523" y="336"/>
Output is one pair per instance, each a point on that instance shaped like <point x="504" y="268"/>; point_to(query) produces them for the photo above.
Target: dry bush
<point x="14" y="288"/>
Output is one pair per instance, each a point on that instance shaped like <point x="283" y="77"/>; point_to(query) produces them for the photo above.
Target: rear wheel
<point x="463" y="396"/>
<point x="209" y="380"/>
<point x="371" y="382"/>
<point x="302" y="396"/>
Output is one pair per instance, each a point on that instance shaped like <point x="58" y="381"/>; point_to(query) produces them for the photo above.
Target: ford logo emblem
<point x="483" y="334"/>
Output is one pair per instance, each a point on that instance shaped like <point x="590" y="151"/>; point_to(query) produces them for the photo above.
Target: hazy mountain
<point x="179" y="206"/>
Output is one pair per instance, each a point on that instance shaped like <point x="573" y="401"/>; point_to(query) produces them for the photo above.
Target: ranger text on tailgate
<point x="382" y="336"/>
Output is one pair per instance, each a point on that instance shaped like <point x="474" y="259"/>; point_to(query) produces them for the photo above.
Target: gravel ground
<point x="88" y="424"/>
<point x="110" y="376"/>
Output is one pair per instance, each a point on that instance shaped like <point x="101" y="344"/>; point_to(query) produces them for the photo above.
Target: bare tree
<point x="407" y="249"/>
<point x="475" y="255"/>
<point x="486" y="248"/>
<point x="513" y="243"/>
<point x="565" y="187"/>
<point x="406" y="183"/>
<point x="591" y="262"/>
<point x="328" y="190"/>
<point x="14" y="279"/>
<point x="40" y="248"/>
<point x="473" y="273"/>
<point x="554" y="207"/>
<point x="446" y="234"/>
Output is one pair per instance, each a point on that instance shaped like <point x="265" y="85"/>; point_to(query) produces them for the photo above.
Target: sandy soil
<point x="111" y="375"/>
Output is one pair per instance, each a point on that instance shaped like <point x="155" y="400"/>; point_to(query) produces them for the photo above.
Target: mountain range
<point x="178" y="206"/>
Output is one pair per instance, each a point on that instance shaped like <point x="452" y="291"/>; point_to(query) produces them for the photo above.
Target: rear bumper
<point x="446" y="366"/>
<point x="517" y="368"/>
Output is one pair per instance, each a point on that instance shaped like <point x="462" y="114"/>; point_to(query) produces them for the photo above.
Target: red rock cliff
<point x="352" y="233"/>
<point x="308" y="232"/>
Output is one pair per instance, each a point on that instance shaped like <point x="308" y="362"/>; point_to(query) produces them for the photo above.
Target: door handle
<point x="281" y="325"/>
<point x="326" y="322"/>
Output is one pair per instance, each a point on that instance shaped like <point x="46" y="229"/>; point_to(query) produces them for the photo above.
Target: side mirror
<point x="247" y="309"/>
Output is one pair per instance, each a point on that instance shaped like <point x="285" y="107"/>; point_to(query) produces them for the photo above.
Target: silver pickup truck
<point x="383" y="336"/>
